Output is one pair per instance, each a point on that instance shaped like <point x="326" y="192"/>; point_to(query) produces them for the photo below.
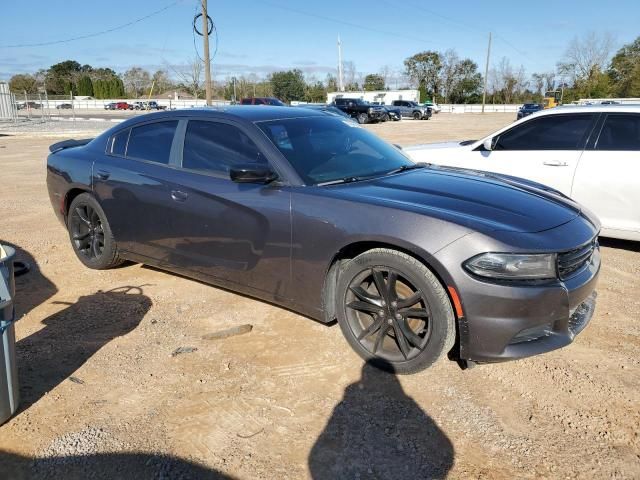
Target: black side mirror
<point x="252" y="173"/>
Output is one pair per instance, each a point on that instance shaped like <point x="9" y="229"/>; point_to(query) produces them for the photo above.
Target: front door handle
<point x="555" y="163"/>
<point x="178" y="196"/>
<point x="103" y="174"/>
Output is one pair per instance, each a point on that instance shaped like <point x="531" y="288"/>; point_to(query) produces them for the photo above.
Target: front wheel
<point x="362" y="118"/>
<point x="394" y="312"/>
<point x="417" y="115"/>
<point x="90" y="234"/>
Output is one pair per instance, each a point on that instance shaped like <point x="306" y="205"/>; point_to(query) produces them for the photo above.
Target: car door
<point x="239" y="232"/>
<point x="134" y="183"/>
<point x="607" y="178"/>
<point x="545" y="149"/>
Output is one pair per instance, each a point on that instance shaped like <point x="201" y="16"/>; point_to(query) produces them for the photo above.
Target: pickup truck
<point x="151" y="105"/>
<point x="362" y="111"/>
<point x="412" y="109"/>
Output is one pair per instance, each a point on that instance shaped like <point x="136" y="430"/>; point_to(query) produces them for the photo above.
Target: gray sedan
<point x="319" y="215"/>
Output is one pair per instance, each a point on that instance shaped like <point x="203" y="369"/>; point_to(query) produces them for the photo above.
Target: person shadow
<point x="379" y="432"/>
<point x="71" y="337"/>
<point x="104" y="466"/>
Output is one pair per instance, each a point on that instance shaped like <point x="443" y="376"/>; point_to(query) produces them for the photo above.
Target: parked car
<point x="393" y="113"/>
<point x="528" y="109"/>
<point x="362" y="111"/>
<point x="589" y="153"/>
<point x="328" y="109"/>
<point x="262" y="101"/>
<point x="29" y="104"/>
<point x="110" y="106"/>
<point x="412" y="109"/>
<point x="64" y="106"/>
<point x="313" y="213"/>
<point x="123" y="106"/>
<point x="148" y="105"/>
<point x="435" y="108"/>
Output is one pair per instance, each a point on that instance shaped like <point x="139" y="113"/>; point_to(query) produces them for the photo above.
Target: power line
<point x="95" y="34"/>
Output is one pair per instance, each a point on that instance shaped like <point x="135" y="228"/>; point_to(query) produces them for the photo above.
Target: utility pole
<point x="340" y="82"/>
<point x="207" y="59"/>
<point x="486" y="74"/>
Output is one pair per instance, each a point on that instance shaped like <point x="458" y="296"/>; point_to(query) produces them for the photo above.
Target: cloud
<point x="224" y="54"/>
<point x="304" y="62"/>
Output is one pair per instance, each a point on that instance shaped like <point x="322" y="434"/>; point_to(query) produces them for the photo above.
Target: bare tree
<point x="349" y="69"/>
<point x="386" y="73"/>
<point x="136" y="81"/>
<point x="449" y="72"/>
<point x="538" y="82"/>
<point x="586" y="54"/>
<point x="191" y="75"/>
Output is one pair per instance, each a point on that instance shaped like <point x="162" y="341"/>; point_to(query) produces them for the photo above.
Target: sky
<point x="261" y="36"/>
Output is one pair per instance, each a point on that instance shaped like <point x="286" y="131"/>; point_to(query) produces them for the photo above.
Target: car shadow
<point x="619" y="244"/>
<point x="32" y="287"/>
<point x="71" y="337"/>
<point x="104" y="466"/>
<point x="377" y="431"/>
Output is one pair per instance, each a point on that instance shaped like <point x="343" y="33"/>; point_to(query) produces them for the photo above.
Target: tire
<point x="90" y="234"/>
<point x="384" y="340"/>
<point x="362" y="118"/>
<point x="417" y="115"/>
<point x="386" y="117"/>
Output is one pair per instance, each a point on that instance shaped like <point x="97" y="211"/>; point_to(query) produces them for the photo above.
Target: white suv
<point x="589" y="153"/>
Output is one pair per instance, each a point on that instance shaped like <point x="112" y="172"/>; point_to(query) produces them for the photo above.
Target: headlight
<point x="513" y="266"/>
<point x="370" y="110"/>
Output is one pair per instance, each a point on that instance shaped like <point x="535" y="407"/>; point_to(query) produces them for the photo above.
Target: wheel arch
<point x="70" y="196"/>
<point x="353" y="249"/>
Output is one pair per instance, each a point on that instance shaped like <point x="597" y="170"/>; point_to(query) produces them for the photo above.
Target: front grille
<point x="574" y="260"/>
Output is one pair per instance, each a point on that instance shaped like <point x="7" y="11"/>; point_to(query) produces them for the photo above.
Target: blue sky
<point x="260" y="36"/>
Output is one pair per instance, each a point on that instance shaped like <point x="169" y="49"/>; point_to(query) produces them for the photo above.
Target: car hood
<point x="473" y="199"/>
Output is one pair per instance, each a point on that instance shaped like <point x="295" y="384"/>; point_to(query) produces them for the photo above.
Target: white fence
<point x="7" y="103"/>
<point x="477" y="108"/>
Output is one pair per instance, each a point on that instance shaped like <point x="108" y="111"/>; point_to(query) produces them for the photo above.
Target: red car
<point x="123" y="106"/>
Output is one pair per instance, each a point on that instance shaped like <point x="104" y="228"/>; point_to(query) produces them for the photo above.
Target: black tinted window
<point x="620" y="132"/>
<point x="152" y="141"/>
<point x="215" y="147"/>
<point x="119" y="142"/>
<point x="554" y="132"/>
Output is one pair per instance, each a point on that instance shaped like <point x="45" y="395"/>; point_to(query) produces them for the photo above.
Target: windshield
<point x="325" y="149"/>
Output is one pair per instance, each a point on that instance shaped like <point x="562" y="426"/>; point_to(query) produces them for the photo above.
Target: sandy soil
<point x="103" y="396"/>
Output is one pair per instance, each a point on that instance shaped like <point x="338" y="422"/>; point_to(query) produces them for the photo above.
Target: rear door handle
<point x="103" y="174"/>
<point x="178" y="196"/>
<point x="555" y="163"/>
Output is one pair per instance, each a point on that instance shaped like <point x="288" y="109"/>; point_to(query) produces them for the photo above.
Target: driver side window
<point x="553" y="132"/>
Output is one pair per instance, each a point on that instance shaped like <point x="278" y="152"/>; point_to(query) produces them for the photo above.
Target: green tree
<point x="373" y="82"/>
<point x="23" y="83"/>
<point x="315" y="92"/>
<point x="85" y="86"/>
<point x="424" y="69"/>
<point x="467" y="83"/>
<point x="61" y="77"/>
<point x="625" y="70"/>
<point x="289" y="85"/>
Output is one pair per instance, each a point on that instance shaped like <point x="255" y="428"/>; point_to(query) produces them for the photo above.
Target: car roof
<point x="634" y="108"/>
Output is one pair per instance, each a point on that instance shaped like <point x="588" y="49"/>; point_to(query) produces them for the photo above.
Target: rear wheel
<point x="362" y="118"/>
<point x="394" y="312"/>
<point x="417" y="116"/>
<point x="386" y="117"/>
<point x="90" y="234"/>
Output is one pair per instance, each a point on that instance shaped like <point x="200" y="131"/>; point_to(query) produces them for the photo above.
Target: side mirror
<point x="399" y="147"/>
<point x="488" y="144"/>
<point x="252" y="173"/>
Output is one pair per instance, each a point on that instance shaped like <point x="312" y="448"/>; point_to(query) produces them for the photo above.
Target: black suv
<point x="361" y="110"/>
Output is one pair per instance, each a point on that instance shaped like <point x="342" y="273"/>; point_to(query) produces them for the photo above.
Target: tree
<point x="315" y="92"/>
<point x="191" y="75"/>
<point x="23" y="83"/>
<point x="373" y="82"/>
<point x="85" y="86"/>
<point x="331" y="82"/>
<point x="161" y="81"/>
<point x="449" y="72"/>
<point x="349" y="72"/>
<point x="625" y="70"/>
<point x="587" y="53"/>
<point x="467" y="84"/>
<point x="386" y="72"/>
<point x="289" y="85"/>
<point x="424" y="68"/>
<point x="136" y="81"/>
<point x="62" y="77"/>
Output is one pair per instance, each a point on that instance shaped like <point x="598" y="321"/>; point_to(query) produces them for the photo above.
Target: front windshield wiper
<point x="404" y="168"/>
<point x="340" y="180"/>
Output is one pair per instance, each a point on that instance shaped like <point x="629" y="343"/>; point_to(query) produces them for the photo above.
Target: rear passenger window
<point x="620" y="132"/>
<point x="152" y="141"/>
<point x="214" y="147"/>
<point x="119" y="142"/>
<point x="553" y="132"/>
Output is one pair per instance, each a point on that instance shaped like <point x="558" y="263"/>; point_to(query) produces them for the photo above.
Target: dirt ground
<point x="103" y="396"/>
